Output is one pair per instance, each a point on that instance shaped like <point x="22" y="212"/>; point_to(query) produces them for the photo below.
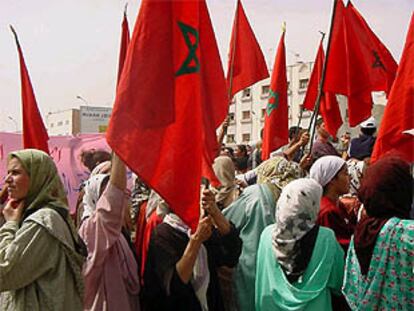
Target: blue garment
<point x="361" y="147"/>
<point x="250" y="213"/>
<point x="323" y="276"/>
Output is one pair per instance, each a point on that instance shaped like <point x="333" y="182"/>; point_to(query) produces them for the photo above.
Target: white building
<point x="248" y="108"/>
<point x="86" y="119"/>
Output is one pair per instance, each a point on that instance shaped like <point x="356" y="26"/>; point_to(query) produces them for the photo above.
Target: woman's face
<point x="341" y="181"/>
<point x="17" y="180"/>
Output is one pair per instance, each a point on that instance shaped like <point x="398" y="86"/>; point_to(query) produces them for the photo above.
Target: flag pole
<point x="125" y="8"/>
<point x="15" y="36"/>
<point x="301" y="106"/>
<point x="232" y="57"/>
<point x="312" y="125"/>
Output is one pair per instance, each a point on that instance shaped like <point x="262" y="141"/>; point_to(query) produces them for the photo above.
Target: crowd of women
<point x="294" y="237"/>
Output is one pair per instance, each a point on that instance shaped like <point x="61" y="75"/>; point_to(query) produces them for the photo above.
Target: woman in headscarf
<point x="227" y="192"/>
<point x="41" y="255"/>
<point x="299" y="264"/>
<point x="180" y="272"/>
<point x="111" y="270"/>
<point x="331" y="173"/>
<point x="251" y="213"/>
<point x="379" y="272"/>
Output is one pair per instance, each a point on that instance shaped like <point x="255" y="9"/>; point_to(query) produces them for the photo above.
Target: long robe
<point x="39" y="267"/>
<point x="111" y="271"/>
<point x="251" y="213"/>
<point x="163" y="288"/>
<point x="322" y="276"/>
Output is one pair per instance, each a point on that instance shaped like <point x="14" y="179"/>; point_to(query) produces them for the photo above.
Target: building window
<point x="231" y="117"/>
<point x="246" y="137"/>
<point x="303" y="83"/>
<point x="263" y="113"/>
<point x="67" y="122"/>
<point x="60" y="123"/>
<point x="288" y="88"/>
<point x="246" y="115"/>
<point x="265" y="90"/>
<point x="51" y="124"/>
<point x="230" y="138"/>
<point x="247" y="93"/>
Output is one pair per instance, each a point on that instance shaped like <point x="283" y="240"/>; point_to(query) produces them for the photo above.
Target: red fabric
<point x="140" y="224"/>
<point x="170" y="100"/>
<point x="329" y="108"/>
<point x="34" y="131"/>
<point x="276" y="128"/>
<point x="399" y="113"/>
<point x="124" y="45"/>
<point x="153" y="221"/>
<point x="245" y="56"/>
<point x="335" y="217"/>
<point x="358" y="63"/>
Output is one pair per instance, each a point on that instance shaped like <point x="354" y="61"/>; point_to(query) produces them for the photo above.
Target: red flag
<point x="34" y="131"/>
<point x="399" y="114"/>
<point x="276" y="128"/>
<point x="247" y="64"/>
<point x="328" y="107"/>
<point x="358" y="63"/>
<point x="170" y="100"/>
<point x="124" y="45"/>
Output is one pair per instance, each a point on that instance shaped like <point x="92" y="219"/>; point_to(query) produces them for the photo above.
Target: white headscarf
<point x="296" y="213"/>
<point x="102" y="168"/>
<point x="92" y="194"/>
<point x="326" y="168"/>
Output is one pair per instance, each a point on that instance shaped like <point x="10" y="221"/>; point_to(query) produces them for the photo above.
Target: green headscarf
<point x="46" y="188"/>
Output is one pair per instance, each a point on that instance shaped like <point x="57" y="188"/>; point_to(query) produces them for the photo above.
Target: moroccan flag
<point x="124" y="45"/>
<point x="328" y="107"/>
<point x="358" y="63"/>
<point x="247" y="64"/>
<point x="34" y="131"/>
<point x="399" y="113"/>
<point x="276" y="128"/>
<point x="170" y="100"/>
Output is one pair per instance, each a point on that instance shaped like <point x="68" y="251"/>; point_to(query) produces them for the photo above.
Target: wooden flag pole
<point x="312" y="125"/>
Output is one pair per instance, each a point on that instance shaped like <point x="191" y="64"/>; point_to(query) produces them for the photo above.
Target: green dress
<point x="389" y="284"/>
<point x="251" y="213"/>
<point x="312" y="291"/>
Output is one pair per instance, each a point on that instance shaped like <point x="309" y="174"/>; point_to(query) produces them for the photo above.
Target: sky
<point x="71" y="46"/>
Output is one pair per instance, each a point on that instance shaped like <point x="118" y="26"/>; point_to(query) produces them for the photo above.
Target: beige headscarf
<point x="277" y="172"/>
<point x="225" y="171"/>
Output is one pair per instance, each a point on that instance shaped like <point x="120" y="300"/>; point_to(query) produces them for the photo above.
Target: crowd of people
<point x="318" y="230"/>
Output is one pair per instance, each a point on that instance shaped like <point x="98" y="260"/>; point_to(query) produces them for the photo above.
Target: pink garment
<point x="111" y="272"/>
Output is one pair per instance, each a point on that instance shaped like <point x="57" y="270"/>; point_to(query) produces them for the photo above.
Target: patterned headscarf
<point x="93" y="188"/>
<point x="296" y="213"/>
<point x="277" y="172"/>
<point x="355" y="171"/>
<point x="326" y="168"/>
